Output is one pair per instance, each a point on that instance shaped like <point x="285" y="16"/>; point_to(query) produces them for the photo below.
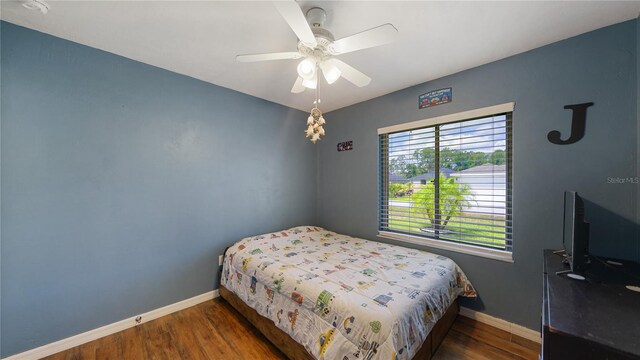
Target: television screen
<point x="576" y="233"/>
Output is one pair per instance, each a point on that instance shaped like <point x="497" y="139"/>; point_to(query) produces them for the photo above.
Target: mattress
<point x="342" y="297"/>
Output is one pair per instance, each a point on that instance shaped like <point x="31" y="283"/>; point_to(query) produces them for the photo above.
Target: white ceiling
<point x="201" y="38"/>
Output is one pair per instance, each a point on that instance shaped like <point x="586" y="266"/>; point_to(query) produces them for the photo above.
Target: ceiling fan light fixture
<point x="307" y="69"/>
<point x="331" y="72"/>
<point x="310" y="83"/>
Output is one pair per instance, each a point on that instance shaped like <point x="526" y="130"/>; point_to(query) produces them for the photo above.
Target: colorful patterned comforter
<point x="343" y="297"/>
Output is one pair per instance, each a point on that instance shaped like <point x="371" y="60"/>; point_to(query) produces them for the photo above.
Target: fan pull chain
<point x="317" y="89"/>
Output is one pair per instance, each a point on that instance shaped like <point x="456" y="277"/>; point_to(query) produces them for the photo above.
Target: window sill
<point x="499" y="255"/>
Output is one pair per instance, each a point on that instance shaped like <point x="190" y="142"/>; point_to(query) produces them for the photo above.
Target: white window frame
<point x="501" y="255"/>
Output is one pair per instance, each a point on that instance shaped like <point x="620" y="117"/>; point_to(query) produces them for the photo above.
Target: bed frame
<point x="295" y="351"/>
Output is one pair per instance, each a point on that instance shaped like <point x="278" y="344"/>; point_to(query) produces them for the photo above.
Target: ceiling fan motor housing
<point x="316" y="17"/>
<point x="322" y="51"/>
<point x="322" y="33"/>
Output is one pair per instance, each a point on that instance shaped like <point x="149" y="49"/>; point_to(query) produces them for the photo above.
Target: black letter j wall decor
<point x="578" y="125"/>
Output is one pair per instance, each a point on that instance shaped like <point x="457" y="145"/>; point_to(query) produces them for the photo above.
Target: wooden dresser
<point x="593" y="319"/>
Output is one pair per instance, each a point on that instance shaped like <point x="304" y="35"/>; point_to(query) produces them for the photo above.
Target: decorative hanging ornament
<point x="315" y="120"/>
<point x="314" y="125"/>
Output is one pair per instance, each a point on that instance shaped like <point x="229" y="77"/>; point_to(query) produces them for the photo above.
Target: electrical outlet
<point x="220" y="259"/>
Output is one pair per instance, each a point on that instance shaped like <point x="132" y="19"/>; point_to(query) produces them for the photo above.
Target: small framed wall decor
<point x="435" y="97"/>
<point x="345" y="146"/>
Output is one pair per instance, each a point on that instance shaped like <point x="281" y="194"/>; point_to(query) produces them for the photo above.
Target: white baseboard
<point x="512" y="328"/>
<point x="76" y="340"/>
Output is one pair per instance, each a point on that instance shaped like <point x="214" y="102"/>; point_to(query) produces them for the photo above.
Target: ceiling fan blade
<point x="297" y="86"/>
<point x="377" y="36"/>
<point x="351" y="74"/>
<point x="269" y="56"/>
<point x="293" y="15"/>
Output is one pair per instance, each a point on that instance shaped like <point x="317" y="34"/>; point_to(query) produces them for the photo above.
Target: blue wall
<point x="122" y="183"/>
<point x="599" y="66"/>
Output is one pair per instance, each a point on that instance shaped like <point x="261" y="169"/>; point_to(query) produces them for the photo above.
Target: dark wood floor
<point x="214" y="330"/>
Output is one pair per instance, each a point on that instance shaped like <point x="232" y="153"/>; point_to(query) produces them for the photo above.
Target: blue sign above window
<point x="433" y="98"/>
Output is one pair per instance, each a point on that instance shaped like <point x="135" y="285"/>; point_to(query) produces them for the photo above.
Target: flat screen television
<point x="576" y="233"/>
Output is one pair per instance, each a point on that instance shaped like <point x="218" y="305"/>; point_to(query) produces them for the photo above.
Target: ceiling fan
<point x="318" y="47"/>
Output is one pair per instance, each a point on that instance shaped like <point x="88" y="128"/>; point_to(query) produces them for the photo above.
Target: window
<point x="446" y="182"/>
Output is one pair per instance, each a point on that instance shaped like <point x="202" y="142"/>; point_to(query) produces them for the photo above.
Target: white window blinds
<point x="450" y="180"/>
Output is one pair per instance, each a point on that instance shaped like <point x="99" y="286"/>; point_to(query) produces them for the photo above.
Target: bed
<point x="317" y="294"/>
